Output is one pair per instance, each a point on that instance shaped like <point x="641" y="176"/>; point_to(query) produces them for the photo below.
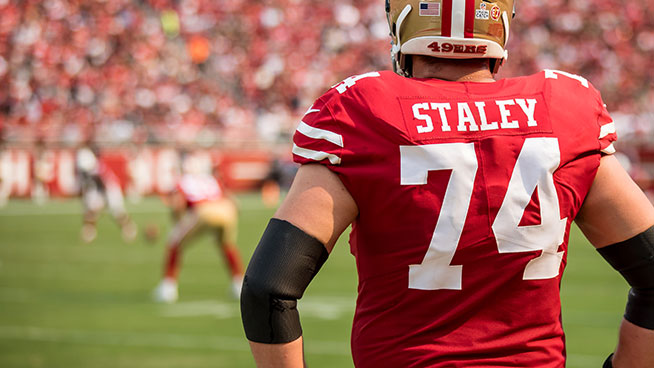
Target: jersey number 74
<point x="534" y="168"/>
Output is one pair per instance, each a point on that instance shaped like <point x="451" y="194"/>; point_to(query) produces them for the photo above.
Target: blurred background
<point x="150" y="83"/>
<point x="232" y="77"/>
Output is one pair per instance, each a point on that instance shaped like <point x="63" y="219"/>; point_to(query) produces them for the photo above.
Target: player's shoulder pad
<point x="320" y="133"/>
<point x="361" y="83"/>
<point x="351" y="81"/>
<point x="356" y="91"/>
<point x="566" y="80"/>
<point x="568" y="85"/>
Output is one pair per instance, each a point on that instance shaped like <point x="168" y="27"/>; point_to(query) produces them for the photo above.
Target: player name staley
<point x="426" y="119"/>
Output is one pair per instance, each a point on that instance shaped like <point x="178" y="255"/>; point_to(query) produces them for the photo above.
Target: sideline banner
<point x="143" y="171"/>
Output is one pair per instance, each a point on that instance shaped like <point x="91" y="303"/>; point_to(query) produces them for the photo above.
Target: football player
<point x="200" y="205"/>
<point x="461" y="191"/>
<point x="100" y="187"/>
<point x="43" y="166"/>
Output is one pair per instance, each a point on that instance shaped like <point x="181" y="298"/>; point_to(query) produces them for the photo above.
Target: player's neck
<point x="467" y="70"/>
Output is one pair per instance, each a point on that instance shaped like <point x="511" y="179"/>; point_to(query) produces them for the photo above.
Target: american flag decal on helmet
<point x="430" y="9"/>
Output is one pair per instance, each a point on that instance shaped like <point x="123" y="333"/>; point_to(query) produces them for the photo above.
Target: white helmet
<point x="452" y="29"/>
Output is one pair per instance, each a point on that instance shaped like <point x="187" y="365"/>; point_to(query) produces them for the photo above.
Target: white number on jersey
<point x="533" y="170"/>
<point x="554" y="74"/>
<point x="435" y="271"/>
<point x="351" y="81"/>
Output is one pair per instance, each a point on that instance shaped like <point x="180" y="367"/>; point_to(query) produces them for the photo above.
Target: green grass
<point x="67" y="304"/>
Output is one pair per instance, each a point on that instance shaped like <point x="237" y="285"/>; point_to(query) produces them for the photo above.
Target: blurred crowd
<point x="190" y="71"/>
<point x="219" y="71"/>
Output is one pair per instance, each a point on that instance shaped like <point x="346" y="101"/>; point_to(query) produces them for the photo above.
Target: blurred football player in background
<point x="42" y="171"/>
<point x="461" y="191"/>
<point x="200" y="205"/>
<point x="100" y="187"/>
<point x="279" y="179"/>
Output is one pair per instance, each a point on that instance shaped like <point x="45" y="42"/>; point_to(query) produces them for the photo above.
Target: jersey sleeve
<point x="318" y="137"/>
<point x="607" y="133"/>
<point x="337" y="130"/>
<point x="580" y="105"/>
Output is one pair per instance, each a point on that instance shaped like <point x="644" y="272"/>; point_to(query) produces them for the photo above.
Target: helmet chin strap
<point x="397" y="46"/>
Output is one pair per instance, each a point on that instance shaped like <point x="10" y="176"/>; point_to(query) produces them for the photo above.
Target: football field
<point x="68" y="304"/>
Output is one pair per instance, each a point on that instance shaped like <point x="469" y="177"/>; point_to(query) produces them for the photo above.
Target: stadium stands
<point x="208" y="72"/>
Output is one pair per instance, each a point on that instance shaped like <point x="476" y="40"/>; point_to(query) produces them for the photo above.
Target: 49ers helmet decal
<point x="453" y="29"/>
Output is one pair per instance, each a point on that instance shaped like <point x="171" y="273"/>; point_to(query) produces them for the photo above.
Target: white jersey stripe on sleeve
<point x="316" y="155"/>
<point x="317" y="133"/>
<point x="607" y="129"/>
<point x="311" y="110"/>
<point x="609" y="150"/>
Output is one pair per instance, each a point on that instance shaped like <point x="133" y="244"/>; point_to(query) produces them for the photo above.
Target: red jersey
<point x="199" y="188"/>
<point x="466" y="192"/>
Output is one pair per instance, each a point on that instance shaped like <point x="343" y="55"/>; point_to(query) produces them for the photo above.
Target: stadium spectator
<point x="201" y="70"/>
<point x="199" y="205"/>
<point x="461" y="191"/>
<point x="278" y="180"/>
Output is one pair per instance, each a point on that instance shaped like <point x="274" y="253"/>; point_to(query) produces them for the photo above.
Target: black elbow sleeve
<point x="281" y="268"/>
<point x="634" y="259"/>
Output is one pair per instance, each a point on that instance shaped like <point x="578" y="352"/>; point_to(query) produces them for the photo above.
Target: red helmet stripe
<point x="470" y="19"/>
<point x="446" y="26"/>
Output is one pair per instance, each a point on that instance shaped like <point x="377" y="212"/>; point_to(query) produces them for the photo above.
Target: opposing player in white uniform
<point x="100" y="187"/>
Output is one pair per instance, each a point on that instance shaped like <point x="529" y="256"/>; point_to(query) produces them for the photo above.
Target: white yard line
<point x="324" y="308"/>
